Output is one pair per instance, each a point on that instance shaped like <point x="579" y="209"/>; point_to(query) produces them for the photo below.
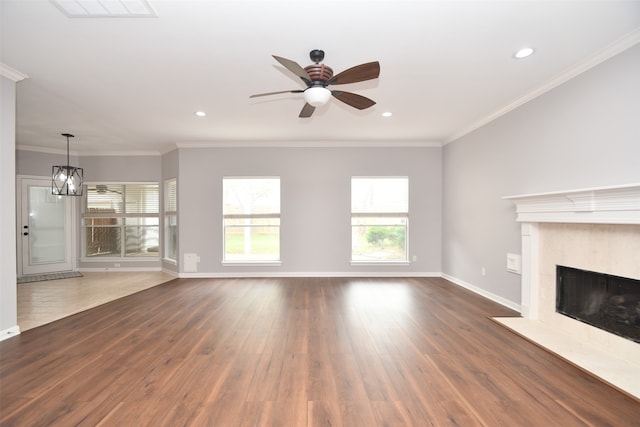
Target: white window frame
<point x="249" y="217"/>
<point x="170" y="213"/>
<point x="404" y="215"/>
<point x="123" y="216"/>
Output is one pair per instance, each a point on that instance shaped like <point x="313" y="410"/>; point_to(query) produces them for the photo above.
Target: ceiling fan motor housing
<point x="319" y="72"/>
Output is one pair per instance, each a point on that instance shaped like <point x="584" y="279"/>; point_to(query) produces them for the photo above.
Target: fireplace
<point x="594" y="230"/>
<point x="608" y="302"/>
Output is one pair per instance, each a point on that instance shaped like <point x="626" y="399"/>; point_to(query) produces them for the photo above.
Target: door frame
<point x="72" y="226"/>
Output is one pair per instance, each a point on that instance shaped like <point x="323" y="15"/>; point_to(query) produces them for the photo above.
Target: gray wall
<point x="170" y="165"/>
<point x="96" y="169"/>
<point x="584" y="133"/>
<point x="37" y="163"/>
<point x="169" y="171"/>
<point x="315" y="232"/>
<point x="121" y="168"/>
<point x="315" y="204"/>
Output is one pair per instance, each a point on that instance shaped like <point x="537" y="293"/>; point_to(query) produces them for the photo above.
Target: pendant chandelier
<point x="66" y="180"/>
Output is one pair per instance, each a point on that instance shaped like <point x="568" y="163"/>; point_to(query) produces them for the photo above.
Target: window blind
<point x="171" y="201"/>
<point x="248" y="196"/>
<point x="379" y="195"/>
<point x="142" y="199"/>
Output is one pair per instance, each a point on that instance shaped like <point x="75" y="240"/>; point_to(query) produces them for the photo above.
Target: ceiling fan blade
<point x="294" y="68"/>
<point x="306" y="111"/>
<point x="352" y="99"/>
<point x="359" y="73"/>
<point x="276" y="93"/>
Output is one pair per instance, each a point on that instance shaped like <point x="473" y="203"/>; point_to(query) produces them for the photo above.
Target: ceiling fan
<point x="318" y="76"/>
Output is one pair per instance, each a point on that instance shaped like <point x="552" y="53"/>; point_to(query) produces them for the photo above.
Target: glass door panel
<point x="46" y="226"/>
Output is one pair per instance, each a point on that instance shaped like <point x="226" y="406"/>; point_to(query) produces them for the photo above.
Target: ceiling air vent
<point x="105" y="8"/>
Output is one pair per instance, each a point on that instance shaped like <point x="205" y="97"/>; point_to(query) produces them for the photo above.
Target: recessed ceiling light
<point x="524" y="52"/>
<point x="200" y="113"/>
<point x="387" y="114"/>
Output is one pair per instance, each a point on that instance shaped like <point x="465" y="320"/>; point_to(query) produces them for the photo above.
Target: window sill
<point x="120" y="259"/>
<point x="251" y="263"/>
<point x="170" y="261"/>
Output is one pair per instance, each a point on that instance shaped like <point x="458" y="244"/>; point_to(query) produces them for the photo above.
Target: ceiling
<point x="447" y="67"/>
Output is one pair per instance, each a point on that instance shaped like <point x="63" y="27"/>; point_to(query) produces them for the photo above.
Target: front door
<point x="46" y="233"/>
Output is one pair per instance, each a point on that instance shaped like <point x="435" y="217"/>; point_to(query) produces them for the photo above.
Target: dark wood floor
<point x="296" y="352"/>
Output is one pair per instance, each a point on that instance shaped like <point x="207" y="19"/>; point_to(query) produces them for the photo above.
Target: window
<point x="170" y="220"/>
<point x="379" y="218"/>
<point x="121" y="220"/>
<point x="251" y="216"/>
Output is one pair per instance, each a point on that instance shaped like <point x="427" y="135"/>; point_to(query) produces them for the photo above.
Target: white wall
<point x="315" y="205"/>
<point x="8" y="291"/>
<point x="584" y="133"/>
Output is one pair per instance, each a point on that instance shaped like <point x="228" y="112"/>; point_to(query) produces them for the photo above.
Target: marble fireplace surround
<point x="595" y="229"/>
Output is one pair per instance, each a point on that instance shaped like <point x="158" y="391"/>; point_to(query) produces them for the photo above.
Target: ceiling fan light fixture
<point x="317" y="95"/>
<point x="318" y="76"/>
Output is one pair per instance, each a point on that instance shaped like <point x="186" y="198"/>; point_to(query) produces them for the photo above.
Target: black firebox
<point x="602" y="300"/>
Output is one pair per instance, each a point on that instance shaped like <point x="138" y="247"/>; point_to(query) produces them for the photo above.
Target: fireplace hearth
<point x="608" y="302"/>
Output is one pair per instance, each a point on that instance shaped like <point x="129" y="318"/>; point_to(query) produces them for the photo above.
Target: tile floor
<point x="40" y="303"/>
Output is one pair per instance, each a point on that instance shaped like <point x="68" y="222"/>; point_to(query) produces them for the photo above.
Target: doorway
<point x="46" y="235"/>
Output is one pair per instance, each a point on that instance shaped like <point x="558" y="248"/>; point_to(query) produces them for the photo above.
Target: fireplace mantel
<point x="603" y="214"/>
<point x="603" y="205"/>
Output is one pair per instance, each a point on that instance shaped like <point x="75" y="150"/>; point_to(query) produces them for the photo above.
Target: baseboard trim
<point x="8" y="333"/>
<point x="116" y="269"/>
<point x="305" y="274"/>
<point x="170" y="272"/>
<point x="493" y="297"/>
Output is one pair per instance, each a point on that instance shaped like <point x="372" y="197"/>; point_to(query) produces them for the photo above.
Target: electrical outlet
<point x="415" y="258"/>
<point x="483" y="271"/>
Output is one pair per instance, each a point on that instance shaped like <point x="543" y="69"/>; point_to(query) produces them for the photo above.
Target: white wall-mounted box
<point x="513" y="263"/>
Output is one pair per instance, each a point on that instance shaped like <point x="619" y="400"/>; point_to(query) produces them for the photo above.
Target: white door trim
<point x="72" y="252"/>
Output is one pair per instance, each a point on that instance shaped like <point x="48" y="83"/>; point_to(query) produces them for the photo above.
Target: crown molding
<point x="12" y="73"/>
<point x="309" y="144"/>
<point x="120" y="153"/>
<point x="240" y="144"/>
<point x="77" y="153"/>
<point x="613" y="49"/>
<point x="46" y="150"/>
